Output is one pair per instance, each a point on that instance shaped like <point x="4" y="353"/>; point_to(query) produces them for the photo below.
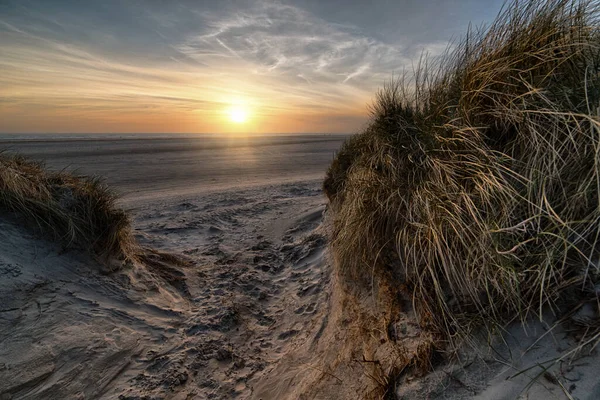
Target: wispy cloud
<point x="285" y="41"/>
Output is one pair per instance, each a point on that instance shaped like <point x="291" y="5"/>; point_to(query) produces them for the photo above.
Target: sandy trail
<point x="253" y="291"/>
<point x="259" y="287"/>
<point x="255" y="287"/>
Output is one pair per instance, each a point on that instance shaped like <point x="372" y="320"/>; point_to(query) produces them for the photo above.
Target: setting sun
<point x="238" y="114"/>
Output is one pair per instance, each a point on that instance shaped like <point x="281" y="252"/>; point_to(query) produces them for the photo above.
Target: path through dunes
<point x="254" y="289"/>
<point x="245" y="212"/>
<point x="260" y="287"/>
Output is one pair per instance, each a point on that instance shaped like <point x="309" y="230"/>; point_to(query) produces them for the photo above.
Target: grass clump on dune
<point x="77" y="211"/>
<point x="475" y="187"/>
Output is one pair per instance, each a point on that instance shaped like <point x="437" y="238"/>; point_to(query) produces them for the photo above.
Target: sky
<point x="213" y="66"/>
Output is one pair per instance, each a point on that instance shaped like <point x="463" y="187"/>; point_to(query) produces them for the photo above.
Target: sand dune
<point x="254" y="289"/>
<point x="252" y="293"/>
<point x="250" y="316"/>
<point x="68" y="331"/>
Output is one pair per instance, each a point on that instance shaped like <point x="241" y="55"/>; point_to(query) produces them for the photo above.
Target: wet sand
<point x="148" y="167"/>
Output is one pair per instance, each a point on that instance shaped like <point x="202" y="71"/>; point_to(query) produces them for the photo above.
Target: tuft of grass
<point x="77" y="211"/>
<point x="476" y="184"/>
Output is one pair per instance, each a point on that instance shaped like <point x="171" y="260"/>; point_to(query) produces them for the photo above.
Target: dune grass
<point x="77" y="211"/>
<point x="475" y="187"/>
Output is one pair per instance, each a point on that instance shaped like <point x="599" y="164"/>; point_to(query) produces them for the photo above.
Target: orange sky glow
<point x="69" y="66"/>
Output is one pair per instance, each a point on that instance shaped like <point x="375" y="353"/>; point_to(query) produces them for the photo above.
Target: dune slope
<point x="471" y="200"/>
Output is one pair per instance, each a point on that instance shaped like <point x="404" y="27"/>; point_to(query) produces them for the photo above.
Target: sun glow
<point x="238" y="114"/>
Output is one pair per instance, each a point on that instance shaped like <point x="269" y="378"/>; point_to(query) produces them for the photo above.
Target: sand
<point x="251" y="316"/>
<point x="256" y="281"/>
<point x="155" y="168"/>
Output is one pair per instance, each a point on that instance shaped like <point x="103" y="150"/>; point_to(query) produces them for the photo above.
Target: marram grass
<point x="77" y="211"/>
<point x="475" y="187"/>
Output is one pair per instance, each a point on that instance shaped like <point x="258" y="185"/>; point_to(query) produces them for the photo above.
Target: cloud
<point x="190" y="63"/>
<point x="360" y="70"/>
<point x="285" y="41"/>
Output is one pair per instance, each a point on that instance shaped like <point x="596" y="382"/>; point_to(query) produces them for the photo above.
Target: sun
<point x="238" y="114"/>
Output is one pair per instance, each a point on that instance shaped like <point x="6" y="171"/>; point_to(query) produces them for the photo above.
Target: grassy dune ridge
<point x="76" y="211"/>
<point x="475" y="188"/>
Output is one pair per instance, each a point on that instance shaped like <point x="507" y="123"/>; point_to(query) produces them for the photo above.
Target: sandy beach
<point x="151" y="167"/>
<point x="247" y="215"/>
<point x="300" y="200"/>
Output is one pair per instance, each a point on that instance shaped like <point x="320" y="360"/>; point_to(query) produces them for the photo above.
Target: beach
<point x="149" y="167"/>
<point x="300" y="200"/>
<point x="245" y="213"/>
